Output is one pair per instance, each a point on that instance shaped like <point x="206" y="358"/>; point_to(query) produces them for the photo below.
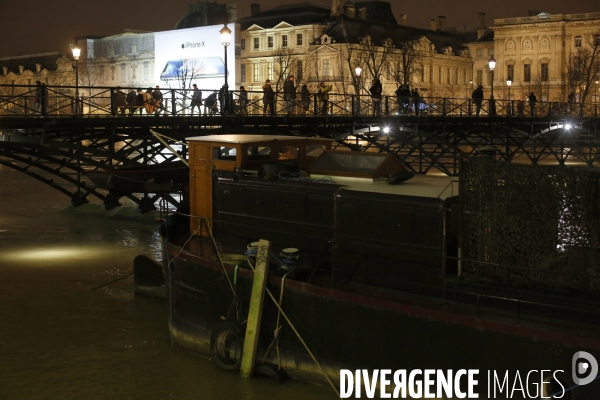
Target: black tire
<point x="270" y="371"/>
<point x="227" y="345"/>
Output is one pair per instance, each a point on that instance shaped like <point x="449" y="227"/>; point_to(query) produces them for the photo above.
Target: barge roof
<point x="242" y="138"/>
<point x="442" y="187"/>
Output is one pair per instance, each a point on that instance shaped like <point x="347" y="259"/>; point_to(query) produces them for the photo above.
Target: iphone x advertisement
<point x="195" y="55"/>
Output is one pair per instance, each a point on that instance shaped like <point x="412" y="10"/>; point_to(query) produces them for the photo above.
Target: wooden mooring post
<point x="261" y="273"/>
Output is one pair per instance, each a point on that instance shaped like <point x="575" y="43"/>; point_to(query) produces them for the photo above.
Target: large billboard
<point x="195" y="55"/>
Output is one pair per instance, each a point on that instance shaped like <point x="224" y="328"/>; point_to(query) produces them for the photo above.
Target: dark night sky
<point x="39" y="26"/>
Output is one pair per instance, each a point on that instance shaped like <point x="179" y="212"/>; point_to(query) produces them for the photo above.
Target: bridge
<point x="62" y="141"/>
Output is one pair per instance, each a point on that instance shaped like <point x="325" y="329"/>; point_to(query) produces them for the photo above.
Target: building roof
<point x="204" y="13"/>
<point x="487" y="37"/>
<point x="293" y="14"/>
<point x="47" y="61"/>
<point x="353" y="30"/>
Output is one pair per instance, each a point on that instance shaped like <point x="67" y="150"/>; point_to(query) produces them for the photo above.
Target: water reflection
<point x="62" y="336"/>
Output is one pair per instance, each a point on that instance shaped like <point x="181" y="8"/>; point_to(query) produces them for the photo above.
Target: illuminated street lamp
<point x="357" y="71"/>
<point x="492" y="65"/>
<point x="76" y="53"/>
<point x="225" y="40"/>
<point x="509" y="83"/>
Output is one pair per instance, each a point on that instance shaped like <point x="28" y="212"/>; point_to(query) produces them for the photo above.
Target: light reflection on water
<point x="60" y="338"/>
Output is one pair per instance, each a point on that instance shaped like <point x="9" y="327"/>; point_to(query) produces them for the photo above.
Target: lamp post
<point x="358" y="71"/>
<point x="492" y="65"/>
<point x="509" y="83"/>
<point x="225" y="38"/>
<point x="76" y="53"/>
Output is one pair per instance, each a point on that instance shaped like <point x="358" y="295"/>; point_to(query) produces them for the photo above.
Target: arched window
<point x="577" y="41"/>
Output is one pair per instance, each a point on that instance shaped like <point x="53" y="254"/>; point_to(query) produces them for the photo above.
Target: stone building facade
<point x="535" y="52"/>
<point x="310" y="43"/>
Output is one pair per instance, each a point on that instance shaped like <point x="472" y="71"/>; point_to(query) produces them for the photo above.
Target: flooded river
<point x="64" y="337"/>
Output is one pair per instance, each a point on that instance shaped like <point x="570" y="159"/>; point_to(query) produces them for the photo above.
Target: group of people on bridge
<point x="298" y="100"/>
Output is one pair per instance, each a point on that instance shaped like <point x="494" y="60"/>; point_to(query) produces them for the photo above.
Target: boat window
<point x="224" y="153"/>
<point x="314" y="150"/>
<point x="287" y="153"/>
<point x="259" y="153"/>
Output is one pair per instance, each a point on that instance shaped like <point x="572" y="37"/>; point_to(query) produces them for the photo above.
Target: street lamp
<point x="509" y="83"/>
<point x="358" y="71"/>
<point x="492" y="65"/>
<point x="225" y="38"/>
<point x="76" y="53"/>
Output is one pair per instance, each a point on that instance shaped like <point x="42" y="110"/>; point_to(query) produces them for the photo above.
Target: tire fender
<point x="227" y="345"/>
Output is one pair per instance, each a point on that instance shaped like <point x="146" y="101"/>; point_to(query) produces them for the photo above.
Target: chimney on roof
<point x="21" y="68"/>
<point x="362" y="13"/>
<point x="481" y="27"/>
<point x="4" y="70"/>
<point x="403" y="19"/>
<point x="335" y="4"/>
<point x="432" y="25"/>
<point x="254" y="8"/>
<point x="38" y="67"/>
<point x="441" y="23"/>
<point x="231" y="12"/>
<point x="349" y="10"/>
<point x="481" y="17"/>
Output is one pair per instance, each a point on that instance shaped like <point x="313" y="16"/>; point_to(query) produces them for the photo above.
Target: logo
<point x="188" y="45"/>
<point x="584" y="368"/>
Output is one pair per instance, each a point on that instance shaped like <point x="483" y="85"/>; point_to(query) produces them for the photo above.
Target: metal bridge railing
<point x="57" y="101"/>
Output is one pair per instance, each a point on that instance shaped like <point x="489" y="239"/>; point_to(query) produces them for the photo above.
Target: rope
<point x="210" y="234"/>
<point x="277" y="325"/>
<point x="106" y="284"/>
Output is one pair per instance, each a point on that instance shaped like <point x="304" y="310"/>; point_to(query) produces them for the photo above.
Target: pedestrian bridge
<point x="60" y="143"/>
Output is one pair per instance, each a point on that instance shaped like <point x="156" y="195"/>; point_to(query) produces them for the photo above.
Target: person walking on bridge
<point x="268" y="98"/>
<point x="532" y="101"/>
<point x="289" y="95"/>
<point x="477" y="97"/>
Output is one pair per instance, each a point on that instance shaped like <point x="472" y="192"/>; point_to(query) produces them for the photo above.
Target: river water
<point x="61" y="337"/>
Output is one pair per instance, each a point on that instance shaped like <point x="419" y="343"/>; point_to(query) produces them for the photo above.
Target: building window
<point x="448" y="72"/>
<point x="489" y="78"/>
<point x="479" y="77"/>
<point x="270" y="42"/>
<point x="112" y="73"/>
<point x="123" y="73"/>
<point x="527" y="72"/>
<point x="298" y="39"/>
<point x="577" y="41"/>
<point x="243" y="44"/>
<point x="101" y="73"/>
<point x="325" y="68"/>
<point x="544" y="71"/>
<point x="510" y="72"/>
<point x="256" y="43"/>
<point x="465" y="76"/>
<point x="431" y="74"/>
<point x="270" y="70"/>
<point x="133" y="72"/>
<point x="146" y="71"/>
<point x="284" y="42"/>
<point x="422" y="73"/>
<point x="440" y="75"/>
<point x="256" y="72"/>
<point x="243" y="72"/>
<point x="479" y="52"/>
<point x="298" y="70"/>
